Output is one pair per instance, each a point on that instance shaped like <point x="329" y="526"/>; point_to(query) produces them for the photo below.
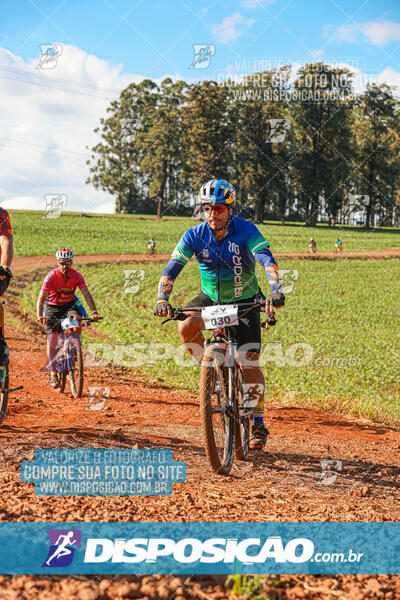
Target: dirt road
<point x="284" y="483"/>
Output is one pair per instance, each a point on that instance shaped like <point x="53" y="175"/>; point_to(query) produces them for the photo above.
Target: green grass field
<point x="35" y="235"/>
<point x="342" y="315"/>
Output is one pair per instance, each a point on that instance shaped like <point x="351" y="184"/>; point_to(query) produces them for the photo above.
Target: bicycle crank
<point x="7" y="390"/>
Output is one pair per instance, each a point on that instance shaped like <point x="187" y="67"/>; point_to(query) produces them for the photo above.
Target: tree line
<point x="303" y="148"/>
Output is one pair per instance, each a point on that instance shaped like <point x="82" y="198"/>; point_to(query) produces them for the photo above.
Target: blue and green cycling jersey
<point x="227" y="269"/>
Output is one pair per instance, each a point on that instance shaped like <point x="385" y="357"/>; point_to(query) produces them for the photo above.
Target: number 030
<point x="221" y="321"/>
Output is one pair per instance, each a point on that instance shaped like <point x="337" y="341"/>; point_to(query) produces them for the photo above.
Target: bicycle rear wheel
<point x="242" y="432"/>
<point x="217" y="418"/>
<point x="76" y="372"/>
<point x="4" y="378"/>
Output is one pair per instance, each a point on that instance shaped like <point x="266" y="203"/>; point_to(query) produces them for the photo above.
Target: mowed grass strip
<point x="335" y="345"/>
<point x="129" y="234"/>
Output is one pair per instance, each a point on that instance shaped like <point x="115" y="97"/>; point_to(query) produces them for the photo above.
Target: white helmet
<point x="64" y="254"/>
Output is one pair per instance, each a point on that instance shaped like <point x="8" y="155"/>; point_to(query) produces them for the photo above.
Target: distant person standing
<point x="151" y="246"/>
<point x="312" y="246"/>
<point x="338" y="245"/>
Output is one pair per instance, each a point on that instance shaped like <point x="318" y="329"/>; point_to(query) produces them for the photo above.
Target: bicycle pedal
<point x="7" y="390"/>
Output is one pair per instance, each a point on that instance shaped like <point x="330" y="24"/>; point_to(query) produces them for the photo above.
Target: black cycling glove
<point x="161" y="309"/>
<point x="275" y="299"/>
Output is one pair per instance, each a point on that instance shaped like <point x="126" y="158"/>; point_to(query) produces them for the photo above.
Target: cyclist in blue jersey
<point x="226" y="247"/>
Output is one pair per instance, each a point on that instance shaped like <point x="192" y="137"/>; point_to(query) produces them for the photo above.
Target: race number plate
<point x="220" y="316"/>
<point x="67" y="323"/>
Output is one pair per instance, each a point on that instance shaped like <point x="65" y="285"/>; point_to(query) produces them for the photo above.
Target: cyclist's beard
<point x="223" y="227"/>
<point x="66" y="272"/>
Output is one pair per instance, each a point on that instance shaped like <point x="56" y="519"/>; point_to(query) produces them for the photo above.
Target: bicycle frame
<point x="63" y="356"/>
<point x="227" y="336"/>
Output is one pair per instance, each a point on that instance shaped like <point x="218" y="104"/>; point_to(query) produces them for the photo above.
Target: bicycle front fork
<point x="231" y="364"/>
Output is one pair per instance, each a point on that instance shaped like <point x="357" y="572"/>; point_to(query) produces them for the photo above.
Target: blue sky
<point x="48" y="115"/>
<point x="154" y="37"/>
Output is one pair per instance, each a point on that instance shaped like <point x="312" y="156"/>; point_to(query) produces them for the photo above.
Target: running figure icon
<point x="62" y="549"/>
<point x="63" y="543"/>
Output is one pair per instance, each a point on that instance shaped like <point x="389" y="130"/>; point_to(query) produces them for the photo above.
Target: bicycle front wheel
<point x="242" y="422"/>
<point x="76" y="371"/>
<point x="4" y="376"/>
<point x="217" y="418"/>
<point x="62" y="378"/>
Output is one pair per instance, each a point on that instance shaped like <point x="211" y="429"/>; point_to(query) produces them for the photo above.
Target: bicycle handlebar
<point x="91" y="320"/>
<point x="86" y="319"/>
<point x="180" y="314"/>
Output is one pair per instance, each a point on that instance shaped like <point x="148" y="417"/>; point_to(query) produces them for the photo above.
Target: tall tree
<point x="262" y="141"/>
<point x="161" y="147"/>
<point x="374" y="128"/>
<point x="208" y="118"/>
<point x="115" y="160"/>
<point x="320" y="110"/>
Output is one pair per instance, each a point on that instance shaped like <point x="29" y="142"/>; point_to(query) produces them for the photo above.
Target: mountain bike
<point x="5" y="390"/>
<point x="225" y="403"/>
<point x="5" y="379"/>
<point x="69" y="359"/>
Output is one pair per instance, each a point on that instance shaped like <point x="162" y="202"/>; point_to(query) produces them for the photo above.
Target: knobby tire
<point x="220" y="455"/>
<point x="242" y="432"/>
<point x="4" y="395"/>
<point x="76" y="373"/>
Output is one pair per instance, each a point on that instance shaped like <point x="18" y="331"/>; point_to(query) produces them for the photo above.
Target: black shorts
<point x="249" y="329"/>
<point x="54" y="313"/>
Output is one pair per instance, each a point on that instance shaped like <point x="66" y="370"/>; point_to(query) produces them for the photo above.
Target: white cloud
<point x="256" y="3"/>
<point x="391" y="77"/>
<point x="232" y="27"/>
<point x="47" y="118"/>
<point x="106" y="207"/>
<point x="316" y="53"/>
<point x="382" y="33"/>
<point x="379" y="33"/>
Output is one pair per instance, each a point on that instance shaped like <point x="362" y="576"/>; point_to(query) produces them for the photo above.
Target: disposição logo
<point x="63" y="543"/>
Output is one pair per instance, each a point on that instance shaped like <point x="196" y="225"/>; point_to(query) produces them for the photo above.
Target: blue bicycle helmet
<point x="217" y="191"/>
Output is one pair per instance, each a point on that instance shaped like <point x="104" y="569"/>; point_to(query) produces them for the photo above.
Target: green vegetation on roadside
<point x="35" y="235"/>
<point x="343" y="316"/>
<point x="247" y="587"/>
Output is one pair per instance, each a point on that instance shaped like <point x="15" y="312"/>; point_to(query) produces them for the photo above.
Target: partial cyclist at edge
<point x="225" y="247"/>
<point x="6" y="256"/>
<point x="57" y="298"/>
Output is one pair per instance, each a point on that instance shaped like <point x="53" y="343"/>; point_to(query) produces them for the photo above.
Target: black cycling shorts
<point x="54" y="313"/>
<point x="249" y="329"/>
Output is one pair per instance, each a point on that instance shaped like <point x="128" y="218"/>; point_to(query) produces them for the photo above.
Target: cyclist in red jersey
<point x="6" y="256"/>
<point x="57" y="297"/>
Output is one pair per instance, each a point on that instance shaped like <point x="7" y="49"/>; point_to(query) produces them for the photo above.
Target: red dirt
<point x="26" y="263"/>
<point x="280" y="484"/>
